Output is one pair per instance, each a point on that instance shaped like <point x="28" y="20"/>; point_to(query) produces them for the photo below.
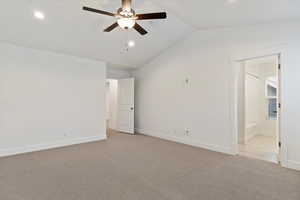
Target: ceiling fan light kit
<point x="127" y="18"/>
<point x="126" y="23"/>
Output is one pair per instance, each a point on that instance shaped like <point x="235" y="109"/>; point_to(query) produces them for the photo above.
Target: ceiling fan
<point x="126" y="17"/>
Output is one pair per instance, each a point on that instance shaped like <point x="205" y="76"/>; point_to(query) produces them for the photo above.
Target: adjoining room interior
<point x="111" y="104"/>
<point x="259" y="136"/>
<point x="149" y="100"/>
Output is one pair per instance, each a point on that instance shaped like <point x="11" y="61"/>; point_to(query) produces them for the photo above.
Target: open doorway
<point x="120" y="105"/>
<point x="259" y="102"/>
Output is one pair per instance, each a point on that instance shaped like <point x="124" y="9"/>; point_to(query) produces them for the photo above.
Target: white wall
<point x="49" y="100"/>
<point x="166" y="106"/>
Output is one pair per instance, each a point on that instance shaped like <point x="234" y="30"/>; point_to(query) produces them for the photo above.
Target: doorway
<point x="258" y="105"/>
<point x="120" y="105"/>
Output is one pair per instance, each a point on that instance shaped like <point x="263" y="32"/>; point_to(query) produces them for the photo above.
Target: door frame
<point x="237" y="63"/>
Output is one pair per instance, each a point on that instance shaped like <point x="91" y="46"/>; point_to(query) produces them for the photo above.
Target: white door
<point x="125" y="122"/>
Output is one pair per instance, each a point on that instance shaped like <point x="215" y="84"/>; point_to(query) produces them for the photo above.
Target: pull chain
<point x="127" y="41"/>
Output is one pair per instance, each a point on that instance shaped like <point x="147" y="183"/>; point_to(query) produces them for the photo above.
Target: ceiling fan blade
<point x="140" y="29"/>
<point x="126" y="4"/>
<point x="112" y="27"/>
<point x="98" y="11"/>
<point x="147" y="16"/>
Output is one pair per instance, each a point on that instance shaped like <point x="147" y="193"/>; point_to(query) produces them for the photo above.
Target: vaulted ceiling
<point x="68" y="29"/>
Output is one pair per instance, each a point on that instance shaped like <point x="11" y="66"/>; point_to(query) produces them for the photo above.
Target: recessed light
<point x="131" y="43"/>
<point x="39" y="15"/>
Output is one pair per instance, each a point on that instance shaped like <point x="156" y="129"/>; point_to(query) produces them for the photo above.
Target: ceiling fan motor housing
<point x="125" y="13"/>
<point x="126" y="19"/>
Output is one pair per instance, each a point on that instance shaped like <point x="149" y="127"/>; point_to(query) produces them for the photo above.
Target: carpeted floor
<point x="136" y="167"/>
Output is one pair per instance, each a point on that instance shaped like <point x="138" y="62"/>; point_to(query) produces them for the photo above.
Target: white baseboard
<point x="187" y="141"/>
<point x="293" y="165"/>
<point x="40" y="147"/>
<point x="289" y="164"/>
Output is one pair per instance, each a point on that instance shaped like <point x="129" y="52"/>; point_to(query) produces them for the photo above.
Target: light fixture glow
<point x="126" y="23"/>
<point x="39" y="15"/>
<point x="131" y="43"/>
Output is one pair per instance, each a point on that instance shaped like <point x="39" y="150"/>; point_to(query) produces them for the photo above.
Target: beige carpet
<point x="138" y="167"/>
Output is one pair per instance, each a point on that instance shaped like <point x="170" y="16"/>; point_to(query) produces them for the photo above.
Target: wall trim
<point x="52" y="145"/>
<point x="187" y="141"/>
<point x="293" y="165"/>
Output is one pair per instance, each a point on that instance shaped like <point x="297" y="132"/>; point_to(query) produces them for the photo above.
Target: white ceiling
<point x="208" y="14"/>
<point x="68" y="29"/>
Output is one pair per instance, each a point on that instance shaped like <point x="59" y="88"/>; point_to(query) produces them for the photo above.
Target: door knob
<point x="131" y="108"/>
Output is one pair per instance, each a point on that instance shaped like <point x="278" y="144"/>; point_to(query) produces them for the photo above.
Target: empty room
<point x="149" y="100"/>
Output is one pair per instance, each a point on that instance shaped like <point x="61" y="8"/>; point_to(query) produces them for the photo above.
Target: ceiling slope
<point x="68" y="29"/>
